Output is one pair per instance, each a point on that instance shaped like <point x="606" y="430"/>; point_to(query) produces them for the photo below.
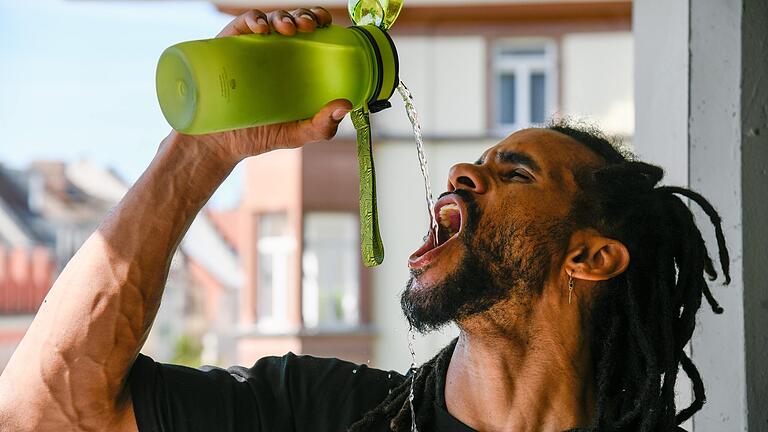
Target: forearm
<point x="79" y="348"/>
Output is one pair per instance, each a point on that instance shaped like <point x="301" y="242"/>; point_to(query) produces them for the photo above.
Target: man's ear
<point x="594" y="257"/>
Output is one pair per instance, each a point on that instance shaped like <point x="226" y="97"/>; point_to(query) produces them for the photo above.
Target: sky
<point x="77" y="80"/>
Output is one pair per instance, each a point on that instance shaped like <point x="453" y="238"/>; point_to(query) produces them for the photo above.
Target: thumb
<point x="324" y="124"/>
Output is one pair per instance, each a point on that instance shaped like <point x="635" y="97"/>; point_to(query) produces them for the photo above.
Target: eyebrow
<point x="512" y="157"/>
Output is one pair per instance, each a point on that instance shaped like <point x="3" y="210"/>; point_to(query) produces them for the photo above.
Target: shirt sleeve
<point x="171" y="398"/>
<point x="289" y="393"/>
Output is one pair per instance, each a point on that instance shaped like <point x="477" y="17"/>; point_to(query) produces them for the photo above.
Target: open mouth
<point x="450" y="214"/>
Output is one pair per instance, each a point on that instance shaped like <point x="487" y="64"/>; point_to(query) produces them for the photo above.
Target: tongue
<point x="455" y="219"/>
<point x="450" y="222"/>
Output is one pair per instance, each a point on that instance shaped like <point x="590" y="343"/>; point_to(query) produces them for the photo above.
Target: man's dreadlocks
<point x="640" y="320"/>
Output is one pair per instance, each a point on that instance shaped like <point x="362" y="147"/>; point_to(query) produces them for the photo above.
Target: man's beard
<point x="509" y="264"/>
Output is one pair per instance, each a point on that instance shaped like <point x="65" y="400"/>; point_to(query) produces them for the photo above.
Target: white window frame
<point x="312" y="305"/>
<point x="523" y="66"/>
<point x="280" y="248"/>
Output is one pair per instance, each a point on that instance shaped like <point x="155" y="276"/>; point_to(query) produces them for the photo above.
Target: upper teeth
<point x="445" y="216"/>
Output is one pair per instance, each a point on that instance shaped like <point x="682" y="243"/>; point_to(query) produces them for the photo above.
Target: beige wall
<point x="597" y="79"/>
<point x="447" y="77"/>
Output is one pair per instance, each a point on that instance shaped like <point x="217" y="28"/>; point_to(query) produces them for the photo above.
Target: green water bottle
<point x="235" y="82"/>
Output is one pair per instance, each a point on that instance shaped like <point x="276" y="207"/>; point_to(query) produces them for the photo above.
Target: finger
<point x="245" y="24"/>
<point x="305" y="20"/>
<point x="324" y="18"/>
<point x="282" y="22"/>
<point x="257" y="22"/>
<point x="325" y="123"/>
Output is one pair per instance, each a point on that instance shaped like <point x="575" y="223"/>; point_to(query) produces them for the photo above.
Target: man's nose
<point x="468" y="177"/>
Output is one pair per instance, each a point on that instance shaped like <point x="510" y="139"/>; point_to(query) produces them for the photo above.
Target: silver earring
<point x="570" y="288"/>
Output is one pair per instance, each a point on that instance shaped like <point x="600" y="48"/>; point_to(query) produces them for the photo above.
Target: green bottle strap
<point x="371" y="246"/>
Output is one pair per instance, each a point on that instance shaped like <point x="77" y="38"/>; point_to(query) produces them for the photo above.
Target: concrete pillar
<point x="754" y="195"/>
<point x="716" y="171"/>
<point x="725" y="154"/>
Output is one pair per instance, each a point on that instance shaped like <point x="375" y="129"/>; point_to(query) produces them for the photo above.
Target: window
<point x="274" y="247"/>
<point x="330" y="289"/>
<point x="524" y="84"/>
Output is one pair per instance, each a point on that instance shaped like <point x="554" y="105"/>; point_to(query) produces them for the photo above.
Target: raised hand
<point x="238" y="144"/>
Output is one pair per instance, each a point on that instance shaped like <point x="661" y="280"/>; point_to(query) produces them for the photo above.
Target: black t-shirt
<point x="289" y="393"/>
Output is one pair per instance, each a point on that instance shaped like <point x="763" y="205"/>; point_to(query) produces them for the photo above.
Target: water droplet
<point x="354" y="371"/>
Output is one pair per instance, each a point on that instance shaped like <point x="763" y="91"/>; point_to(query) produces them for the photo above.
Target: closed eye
<point x="517" y="175"/>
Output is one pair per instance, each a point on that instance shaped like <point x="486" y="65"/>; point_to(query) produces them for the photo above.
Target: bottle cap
<point x="387" y="66"/>
<point x="381" y="13"/>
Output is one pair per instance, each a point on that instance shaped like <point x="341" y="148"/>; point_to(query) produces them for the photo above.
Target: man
<point x="573" y="278"/>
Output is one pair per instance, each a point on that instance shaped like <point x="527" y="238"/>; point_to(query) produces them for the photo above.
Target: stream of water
<point x="413" y="116"/>
<point x="414" y="371"/>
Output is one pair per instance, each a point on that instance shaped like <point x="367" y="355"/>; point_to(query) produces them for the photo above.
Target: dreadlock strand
<point x="714" y="217"/>
<point x="669" y="358"/>
<point x="650" y="386"/>
<point x="685" y="220"/>
<point x="697" y="238"/>
<point x="383" y="410"/>
<point x="698" y="389"/>
<point x="402" y="419"/>
<point x="689" y="278"/>
<point x="427" y="380"/>
<point x="431" y="387"/>
<point x="606" y="367"/>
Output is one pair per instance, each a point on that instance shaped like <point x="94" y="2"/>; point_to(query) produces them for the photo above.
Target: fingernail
<point x="339" y="114"/>
<point x="307" y="16"/>
<point x="261" y="21"/>
<point x="287" y="20"/>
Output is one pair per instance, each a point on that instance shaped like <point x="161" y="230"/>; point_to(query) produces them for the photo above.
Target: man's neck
<point x="532" y="374"/>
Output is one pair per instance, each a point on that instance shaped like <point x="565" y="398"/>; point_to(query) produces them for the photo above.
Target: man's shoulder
<point x="321" y="393"/>
<point x="318" y="370"/>
<point x="298" y="392"/>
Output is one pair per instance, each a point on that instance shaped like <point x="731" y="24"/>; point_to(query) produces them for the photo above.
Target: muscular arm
<point x="70" y="369"/>
<point x="73" y="362"/>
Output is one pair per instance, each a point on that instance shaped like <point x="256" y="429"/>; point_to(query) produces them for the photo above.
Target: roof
<point x="14" y="210"/>
<point x="50" y="193"/>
